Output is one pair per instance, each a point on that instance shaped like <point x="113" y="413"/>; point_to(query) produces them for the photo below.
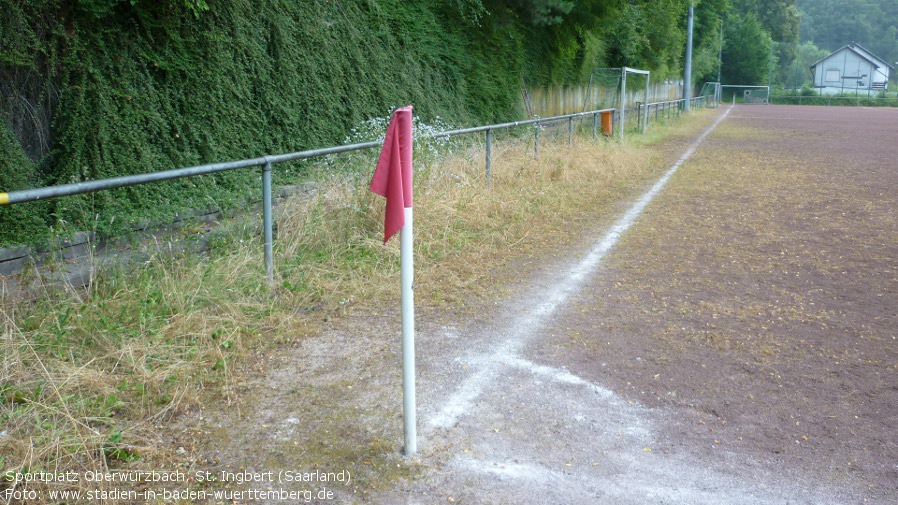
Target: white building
<point x="851" y="69"/>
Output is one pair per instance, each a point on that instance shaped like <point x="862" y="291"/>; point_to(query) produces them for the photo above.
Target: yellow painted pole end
<point x="4" y="198"/>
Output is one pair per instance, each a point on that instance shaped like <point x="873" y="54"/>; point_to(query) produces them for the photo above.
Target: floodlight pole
<point x="718" y="91"/>
<point x="720" y="51"/>
<point x="687" y="78"/>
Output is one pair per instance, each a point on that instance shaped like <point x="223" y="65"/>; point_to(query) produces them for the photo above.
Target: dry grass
<point x="461" y="225"/>
<point x="89" y="378"/>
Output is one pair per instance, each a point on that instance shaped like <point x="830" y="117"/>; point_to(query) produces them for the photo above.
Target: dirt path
<point x="737" y="345"/>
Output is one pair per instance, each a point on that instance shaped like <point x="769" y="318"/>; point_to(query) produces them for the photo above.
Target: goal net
<point x="711" y="92"/>
<point x="606" y="88"/>
<point x="751" y="95"/>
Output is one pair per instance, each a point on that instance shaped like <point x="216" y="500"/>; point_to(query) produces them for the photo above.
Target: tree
<point x="648" y="34"/>
<point x="831" y="24"/>
<point x="781" y="19"/>
<point x="709" y="15"/>
<point x="799" y="73"/>
<point x="746" y="51"/>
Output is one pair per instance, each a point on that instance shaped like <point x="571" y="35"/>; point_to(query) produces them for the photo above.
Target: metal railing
<point x="538" y="122"/>
<point x="667" y="109"/>
<point x="266" y="162"/>
<point x="701" y="101"/>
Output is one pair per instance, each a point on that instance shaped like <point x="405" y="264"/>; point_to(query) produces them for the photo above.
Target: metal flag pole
<point x="407" y="268"/>
<point x="393" y="179"/>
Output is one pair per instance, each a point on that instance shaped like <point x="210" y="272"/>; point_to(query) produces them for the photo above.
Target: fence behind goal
<point x="745" y="94"/>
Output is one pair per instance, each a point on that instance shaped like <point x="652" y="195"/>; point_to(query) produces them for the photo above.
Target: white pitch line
<point x="558" y="375"/>
<point x="527" y="325"/>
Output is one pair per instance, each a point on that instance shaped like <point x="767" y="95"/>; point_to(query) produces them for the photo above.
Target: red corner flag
<point x="393" y="176"/>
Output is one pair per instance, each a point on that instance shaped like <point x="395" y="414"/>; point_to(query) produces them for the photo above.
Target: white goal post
<point x="623" y="98"/>
<point x="712" y="89"/>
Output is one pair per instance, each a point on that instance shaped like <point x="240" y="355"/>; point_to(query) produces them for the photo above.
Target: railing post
<point x="623" y="103"/>
<point x="570" y="130"/>
<point x="536" y="144"/>
<point x="267" y="222"/>
<point x="489" y="154"/>
<point x="595" y="127"/>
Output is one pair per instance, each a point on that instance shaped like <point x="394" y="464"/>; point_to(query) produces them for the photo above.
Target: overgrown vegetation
<point x="18" y="172"/>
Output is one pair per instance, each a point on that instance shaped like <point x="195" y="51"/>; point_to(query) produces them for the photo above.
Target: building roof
<point x="860" y="51"/>
<point x="870" y="54"/>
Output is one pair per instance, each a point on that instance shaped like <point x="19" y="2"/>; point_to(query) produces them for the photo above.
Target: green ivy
<point x="24" y="223"/>
<point x="143" y="87"/>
